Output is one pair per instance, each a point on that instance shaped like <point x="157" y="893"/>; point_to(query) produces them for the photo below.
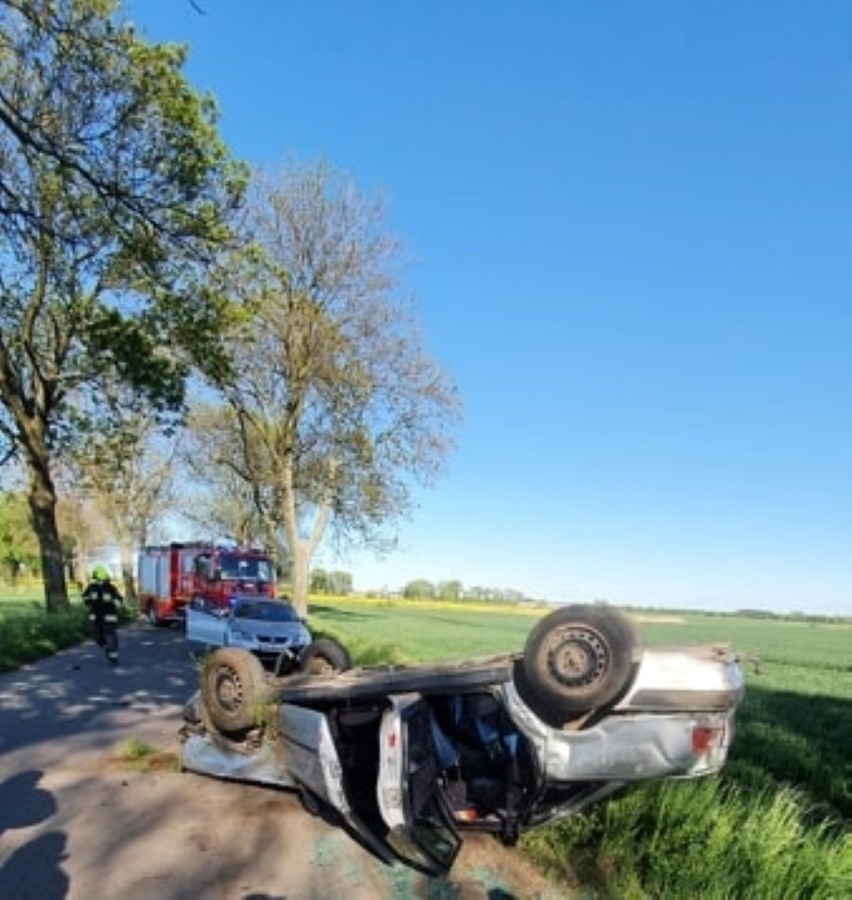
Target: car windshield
<point x="265" y="610"/>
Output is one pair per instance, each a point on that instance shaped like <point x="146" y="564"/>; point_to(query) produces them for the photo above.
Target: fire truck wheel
<point x="234" y="689"/>
<point x="324" y="656"/>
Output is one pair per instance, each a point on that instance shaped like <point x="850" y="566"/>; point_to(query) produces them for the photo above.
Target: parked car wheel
<point x="233" y="685"/>
<point x="577" y="659"/>
<point x="324" y="656"/>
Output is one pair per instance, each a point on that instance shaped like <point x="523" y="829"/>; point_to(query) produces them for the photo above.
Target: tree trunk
<point x="300" y="559"/>
<point x="42" y="500"/>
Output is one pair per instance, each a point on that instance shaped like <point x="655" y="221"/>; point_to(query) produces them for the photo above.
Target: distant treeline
<point x="815" y="618"/>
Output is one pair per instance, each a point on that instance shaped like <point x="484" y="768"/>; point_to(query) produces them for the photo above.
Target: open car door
<point x="203" y="627"/>
<point x="420" y="825"/>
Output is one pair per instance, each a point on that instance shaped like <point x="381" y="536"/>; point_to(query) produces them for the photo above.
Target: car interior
<point x="486" y="770"/>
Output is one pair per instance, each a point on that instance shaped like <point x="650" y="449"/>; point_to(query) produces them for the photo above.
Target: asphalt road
<point x="76" y="824"/>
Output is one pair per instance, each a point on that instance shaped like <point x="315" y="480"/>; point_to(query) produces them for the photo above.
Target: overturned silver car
<point x="406" y="758"/>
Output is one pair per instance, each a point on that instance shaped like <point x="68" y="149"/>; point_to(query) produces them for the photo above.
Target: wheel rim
<point x="228" y="689"/>
<point x="576" y="657"/>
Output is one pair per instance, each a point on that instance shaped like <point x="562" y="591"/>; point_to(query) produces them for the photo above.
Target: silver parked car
<point x="269" y="628"/>
<point x="406" y="759"/>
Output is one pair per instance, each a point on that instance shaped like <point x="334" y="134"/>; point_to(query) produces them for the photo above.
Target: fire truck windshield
<point x="233" y="566"/>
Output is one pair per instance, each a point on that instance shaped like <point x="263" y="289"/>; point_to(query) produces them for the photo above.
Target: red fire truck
<point x="170" y="575"/>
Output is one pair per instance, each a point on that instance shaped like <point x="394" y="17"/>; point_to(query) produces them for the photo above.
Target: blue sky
<point x="629" y="233"/>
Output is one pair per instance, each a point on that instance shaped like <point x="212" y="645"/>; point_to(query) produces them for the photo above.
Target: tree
<point x="114" y="195"/>
<point x="226" y="501"/>
<point x="419" y="589"/>
<point x="18" y="543"/>
<point x="449" y="590"/>
<point x="337" y="408"/>
<point x="125" y="467"/>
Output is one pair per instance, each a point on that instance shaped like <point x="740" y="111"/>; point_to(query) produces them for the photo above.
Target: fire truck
<point x="171" y="575"/>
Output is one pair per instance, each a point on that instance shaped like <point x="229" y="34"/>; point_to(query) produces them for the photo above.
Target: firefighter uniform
<point x="102" y="598"/>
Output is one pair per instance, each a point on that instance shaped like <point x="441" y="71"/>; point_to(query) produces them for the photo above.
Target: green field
<point x="774" y="825"/>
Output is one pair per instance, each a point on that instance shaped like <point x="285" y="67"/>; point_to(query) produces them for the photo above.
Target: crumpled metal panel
<point x="690" y="678"/>
<point x="204" y="754"/>
<point x="622" y="748"/>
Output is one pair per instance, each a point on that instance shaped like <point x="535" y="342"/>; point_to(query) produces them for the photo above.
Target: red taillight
<point x="705" y="738"/>
<point x="466" y="815"/>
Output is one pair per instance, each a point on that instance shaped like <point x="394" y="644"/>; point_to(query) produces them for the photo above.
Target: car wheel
<point x="324" y="656"/>
<point x="233" y="687"/>
<point x="578" y="658"/>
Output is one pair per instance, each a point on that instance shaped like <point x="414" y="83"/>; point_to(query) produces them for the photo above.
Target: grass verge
<point x="709" y="839"/>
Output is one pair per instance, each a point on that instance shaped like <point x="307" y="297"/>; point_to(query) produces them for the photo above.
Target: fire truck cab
<point x="172" y="575"/>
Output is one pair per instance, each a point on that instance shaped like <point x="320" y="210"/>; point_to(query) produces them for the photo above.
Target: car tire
<point x="324" y="656"/>
<point x="578" y="659"/>
<point x="233" y="687"/>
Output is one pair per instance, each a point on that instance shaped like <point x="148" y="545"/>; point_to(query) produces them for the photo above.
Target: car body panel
<point x="262" y="765"/>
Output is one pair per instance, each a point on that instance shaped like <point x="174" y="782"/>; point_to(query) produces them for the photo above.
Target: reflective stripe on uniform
<point x="110" y="617"/>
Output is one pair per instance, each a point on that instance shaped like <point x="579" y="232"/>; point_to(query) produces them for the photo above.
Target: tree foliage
<point x="337" y="409"/>
<point x="123" y="464"/>
<point x="114" y="196"/>
<point x="18" y="541"/>
<point x="221" y="498"/>
<point x="335" y="583"/>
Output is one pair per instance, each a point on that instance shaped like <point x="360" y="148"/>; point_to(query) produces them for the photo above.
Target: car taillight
<point x="706" y="738"/>
<point x="468" y="814"/>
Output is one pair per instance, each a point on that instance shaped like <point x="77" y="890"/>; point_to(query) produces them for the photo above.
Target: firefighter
<point x="102" y="597"/>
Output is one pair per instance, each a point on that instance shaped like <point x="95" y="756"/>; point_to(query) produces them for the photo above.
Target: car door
<point x="204" y="627"/>
<point x="386" y="796"/>
<point x="412" y="803"/>
<point x="327" y="784"/>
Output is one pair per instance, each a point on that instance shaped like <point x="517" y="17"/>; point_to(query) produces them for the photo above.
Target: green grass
<point x="422" y="631"/>
<point x="138" y="756"/>
<point x="708" y="839"/>
<point x="27" y="633"/>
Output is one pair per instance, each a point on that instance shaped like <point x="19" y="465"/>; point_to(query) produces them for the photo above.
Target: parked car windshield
<point x="265" y="610"/>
